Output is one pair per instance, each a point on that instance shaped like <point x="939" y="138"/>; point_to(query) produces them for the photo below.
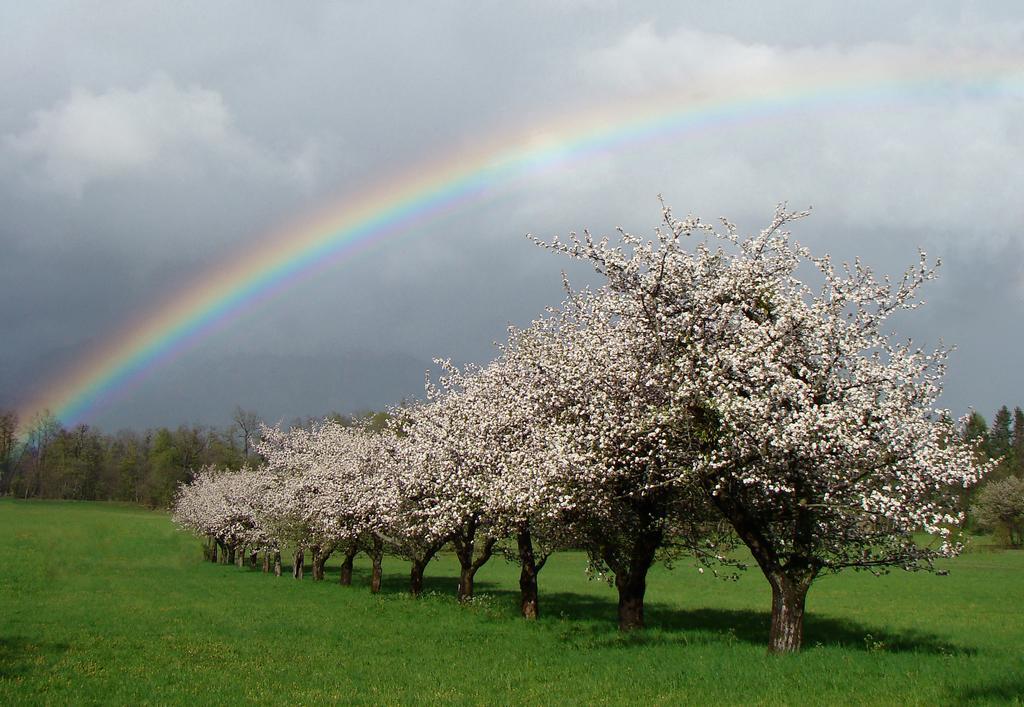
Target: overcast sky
<point x="143" y="143"/>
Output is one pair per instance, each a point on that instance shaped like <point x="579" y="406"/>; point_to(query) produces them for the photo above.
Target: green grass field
<point x="106" y="603"/>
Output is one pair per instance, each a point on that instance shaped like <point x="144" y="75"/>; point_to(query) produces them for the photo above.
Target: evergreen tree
<point x="1017" y="442"/>
<point x="999" y="434"/>
<point x="976" y="429"/>
<point x="999" y="443"/>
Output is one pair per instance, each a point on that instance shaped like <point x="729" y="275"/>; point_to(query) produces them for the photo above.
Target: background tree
<point x="976" y="430"/>
<point x="32" y="460"/>
<point x="1000" y="443"/>
<point x="1000" y="507"/>
<point x="1017" y="442"/>
<point x="8" y="448"/>
<point x="248" y="424"/>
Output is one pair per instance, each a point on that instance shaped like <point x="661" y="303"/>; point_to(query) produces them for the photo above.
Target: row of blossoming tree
<point x="714" y="390"/>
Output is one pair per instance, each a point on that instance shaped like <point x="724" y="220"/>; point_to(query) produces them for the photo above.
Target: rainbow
<point x="335" y="233"/>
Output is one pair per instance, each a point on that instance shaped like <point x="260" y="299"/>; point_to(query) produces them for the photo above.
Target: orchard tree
<point x="332" y="474"/>
<point x="815" y="431"/>
<point x="226" y="507"/>
<point x="286" y="509"/>
<point x="455" y="440"/>
<point x="513" y="445"/>
<point x="295" y="506"/>
<point x="602" y="399"/>
<point x="350" y="487"/>
<point x="482" y="449"/>
<point x="447" y="474"/>
<point x="403" y="493"/>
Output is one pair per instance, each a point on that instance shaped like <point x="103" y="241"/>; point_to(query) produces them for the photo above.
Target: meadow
<point x="108" y="603"/>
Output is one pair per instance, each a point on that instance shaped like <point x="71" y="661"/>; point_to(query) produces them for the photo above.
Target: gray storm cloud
<point x="160" y="141"/>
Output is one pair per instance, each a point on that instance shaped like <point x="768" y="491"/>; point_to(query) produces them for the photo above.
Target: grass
<point x="106" y="603"/>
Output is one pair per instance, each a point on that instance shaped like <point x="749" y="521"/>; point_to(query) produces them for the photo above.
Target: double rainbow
<point x="338" y="231"/>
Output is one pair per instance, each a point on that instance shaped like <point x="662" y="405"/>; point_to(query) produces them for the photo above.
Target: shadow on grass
<point x="392" y="582"/>
<point x="1009" y="690"/>
<point x="398" y="583"/>
<point x="591" y="621"/>
<point x="708" y="625"/>
<point x="20" y="656"/>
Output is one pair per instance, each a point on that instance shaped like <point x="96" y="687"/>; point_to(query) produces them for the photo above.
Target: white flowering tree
<point x="323" y="499"/>
<point x="398" y="485"/>
<point x="450" y="470"/>
<point x="816" y="432"/>
<point x="483" y="466"/>
<point x="512" y="444"/>
<point x="1000" y="507"/>
<point x="194" y="509"/>
<point x="601" y="402"/>
<point x="290" y="457"/>
<point x="224" y="506"/>
<point x="352" y="503"/>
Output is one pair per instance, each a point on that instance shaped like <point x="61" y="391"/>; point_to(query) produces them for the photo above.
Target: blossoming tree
<point x="512" y="443"/>
<point x="327" y="496"/>
<point x="601" y="400"/>
<point x="818" y="435"/>
<point x="450" y="469"/>
<point x="224" y="505"/>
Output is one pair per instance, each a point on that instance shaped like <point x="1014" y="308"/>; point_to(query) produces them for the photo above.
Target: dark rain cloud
<point x="143" y="144"/>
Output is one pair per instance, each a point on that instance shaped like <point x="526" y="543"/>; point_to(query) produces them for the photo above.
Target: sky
<point x="145" y="146"/>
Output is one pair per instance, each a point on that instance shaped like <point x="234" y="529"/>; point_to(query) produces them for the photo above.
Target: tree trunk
<point x="346" y="566"/>
<point x="230" y="555"/>
<point x="266" y="561"/>
<point x="240" y="555"/>
<point x="470" y="567"/>
<point x="418" y="566"/>
<point x="253" y="558"/>
<point x="317" y="568"/>
<point x="297" y="564"/>
<point x="377" y="556"/>
<point x="416" y="578"/>
<point x="277" y="563"/>
<point x="528" y="603"/>
<point x="1016" y="534"/>
<point x="466" y="584"/>
<point x="790" y="580"/>
<point x="320" y="556"/>
<point x="788" y="599"/>
<point x="631" y="579"/>
<point x="465" y="546"/>
<point x="631" y="600"/>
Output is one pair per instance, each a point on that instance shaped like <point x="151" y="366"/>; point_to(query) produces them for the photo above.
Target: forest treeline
<point x="86" y="464"/>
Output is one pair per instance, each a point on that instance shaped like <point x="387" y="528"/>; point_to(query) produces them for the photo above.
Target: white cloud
<point x="646" y="58"/>
<point x="911" y="135"/>
<point x="160" y="128"/>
